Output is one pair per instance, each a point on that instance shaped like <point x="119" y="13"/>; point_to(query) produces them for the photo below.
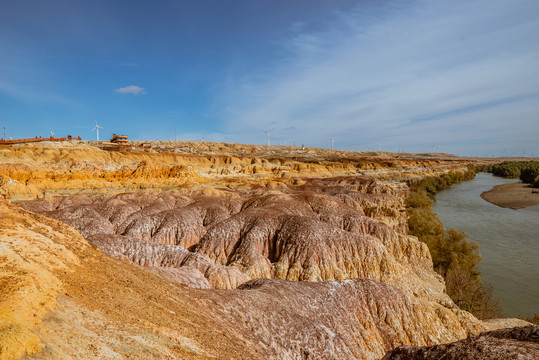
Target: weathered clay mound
<point x="515" y="343"/>
<point x="268" y="245"/>
<point x="174" y="262"/>
<point x="186" y="275"/>
<point x="350" y="319"/>
<point x="359" y="184"/>
<point x="238" y="212"/>
<point x="315" y="232"/>
<point x="306" y="233"/>
<point x="64" y="299"/>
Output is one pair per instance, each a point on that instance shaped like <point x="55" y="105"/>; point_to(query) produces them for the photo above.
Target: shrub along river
<point x="508" y="241"/>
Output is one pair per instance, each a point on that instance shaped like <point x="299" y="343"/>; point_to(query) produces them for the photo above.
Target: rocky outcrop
<point x="318" y="231"/>
<point x="30" y="171"/>
<point x="225" y="277"/>
<point x="514" y="343"/>
<point x="367" y="286"/>
<point x="31" y="253"/>
<point x="63" y="298"/>
<point x="315" y="232"/>
<point x="187" y="275"/>
<point x="174" y="262"/>
<point x="350" y="319"/>
<point x="216" y="251"/>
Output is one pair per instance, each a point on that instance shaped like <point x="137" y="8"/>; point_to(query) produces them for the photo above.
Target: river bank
<point x="513" y="196"/>
<point x="507" y="239"/>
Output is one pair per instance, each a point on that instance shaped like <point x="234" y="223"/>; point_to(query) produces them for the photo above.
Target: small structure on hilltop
<point x="120" y="139"/>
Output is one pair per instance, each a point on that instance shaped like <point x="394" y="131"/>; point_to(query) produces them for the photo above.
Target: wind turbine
<point x="434" y="147"/>
<point x="267" y="134"/>
<point x="96" y="128"/>
<point x="52" y="134"/>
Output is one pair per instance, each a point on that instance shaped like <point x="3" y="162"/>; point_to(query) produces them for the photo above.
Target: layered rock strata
<point x="242" y="252"/>
<point x="327" y="229"/>
<point x="514" y="343"/>
<point x="323" y="230"/>
<point x="349" y="319"/>
<point x="28" y="171"/>
<point x="63" y="298"/>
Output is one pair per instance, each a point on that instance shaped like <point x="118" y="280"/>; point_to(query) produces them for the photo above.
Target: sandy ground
<point x="513" y="196"/>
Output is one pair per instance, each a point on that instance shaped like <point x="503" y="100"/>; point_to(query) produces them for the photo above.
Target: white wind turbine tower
<point x="52" y="134"/>
<point x="96" y="128"/>
<point x="434" y="147"/>
<point x="268" y="134"/>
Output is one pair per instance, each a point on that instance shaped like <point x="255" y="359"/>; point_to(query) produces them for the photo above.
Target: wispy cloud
<point x="462" y="74"/>
<point x="132" y="89"/>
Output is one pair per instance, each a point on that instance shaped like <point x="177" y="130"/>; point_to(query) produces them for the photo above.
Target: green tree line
<point x="453" y="255"/>
<point x="527" y="171"/>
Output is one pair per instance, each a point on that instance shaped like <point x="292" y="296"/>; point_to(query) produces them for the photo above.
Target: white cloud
<point x="462" y="74"/>
<point x="132" y="89"/>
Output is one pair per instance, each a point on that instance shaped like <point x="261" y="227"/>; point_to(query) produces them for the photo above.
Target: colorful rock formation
<point x="216" y="251"/>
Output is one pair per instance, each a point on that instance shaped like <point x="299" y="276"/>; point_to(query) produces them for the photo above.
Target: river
<point x="508" y="241"/>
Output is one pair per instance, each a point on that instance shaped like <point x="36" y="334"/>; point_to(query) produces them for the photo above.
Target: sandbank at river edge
<point x="513" y="196"/>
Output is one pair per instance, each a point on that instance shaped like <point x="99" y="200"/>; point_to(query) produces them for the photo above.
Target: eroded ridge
<point x="326" y="229"/>
<point x="349" y="319"/>
<point x="81" y="303"/>
<point x="250" y="256"/>
<point x="515" y="343"/>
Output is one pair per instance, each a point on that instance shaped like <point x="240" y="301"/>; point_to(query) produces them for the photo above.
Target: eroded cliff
<point x="79" y="302"/>
<point x="311" y="265"/>
<point x="516" y="343"/>
<point x="30" y="171"/>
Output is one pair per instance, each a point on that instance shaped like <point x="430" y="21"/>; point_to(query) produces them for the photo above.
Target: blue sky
<point x="458" y="76"/>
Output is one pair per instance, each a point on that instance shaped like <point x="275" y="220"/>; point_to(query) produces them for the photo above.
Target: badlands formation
<point x="224" y="251"/>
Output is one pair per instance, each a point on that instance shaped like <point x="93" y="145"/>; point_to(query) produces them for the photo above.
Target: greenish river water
<point x="508" y="241"/>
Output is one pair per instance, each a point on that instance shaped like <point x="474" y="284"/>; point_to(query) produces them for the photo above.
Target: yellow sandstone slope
<point x="29" y="171"/>
<point x="62" y="298"/>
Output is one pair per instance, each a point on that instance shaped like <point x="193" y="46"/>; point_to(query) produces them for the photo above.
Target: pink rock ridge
<point x="348" y="319"/>
<point x="513" y="343"/>
<point x="326" y="229"/>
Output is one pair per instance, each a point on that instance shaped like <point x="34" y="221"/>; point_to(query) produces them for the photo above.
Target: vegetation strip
<point x="527" y="171"/>
<point x="453" y="255"/>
